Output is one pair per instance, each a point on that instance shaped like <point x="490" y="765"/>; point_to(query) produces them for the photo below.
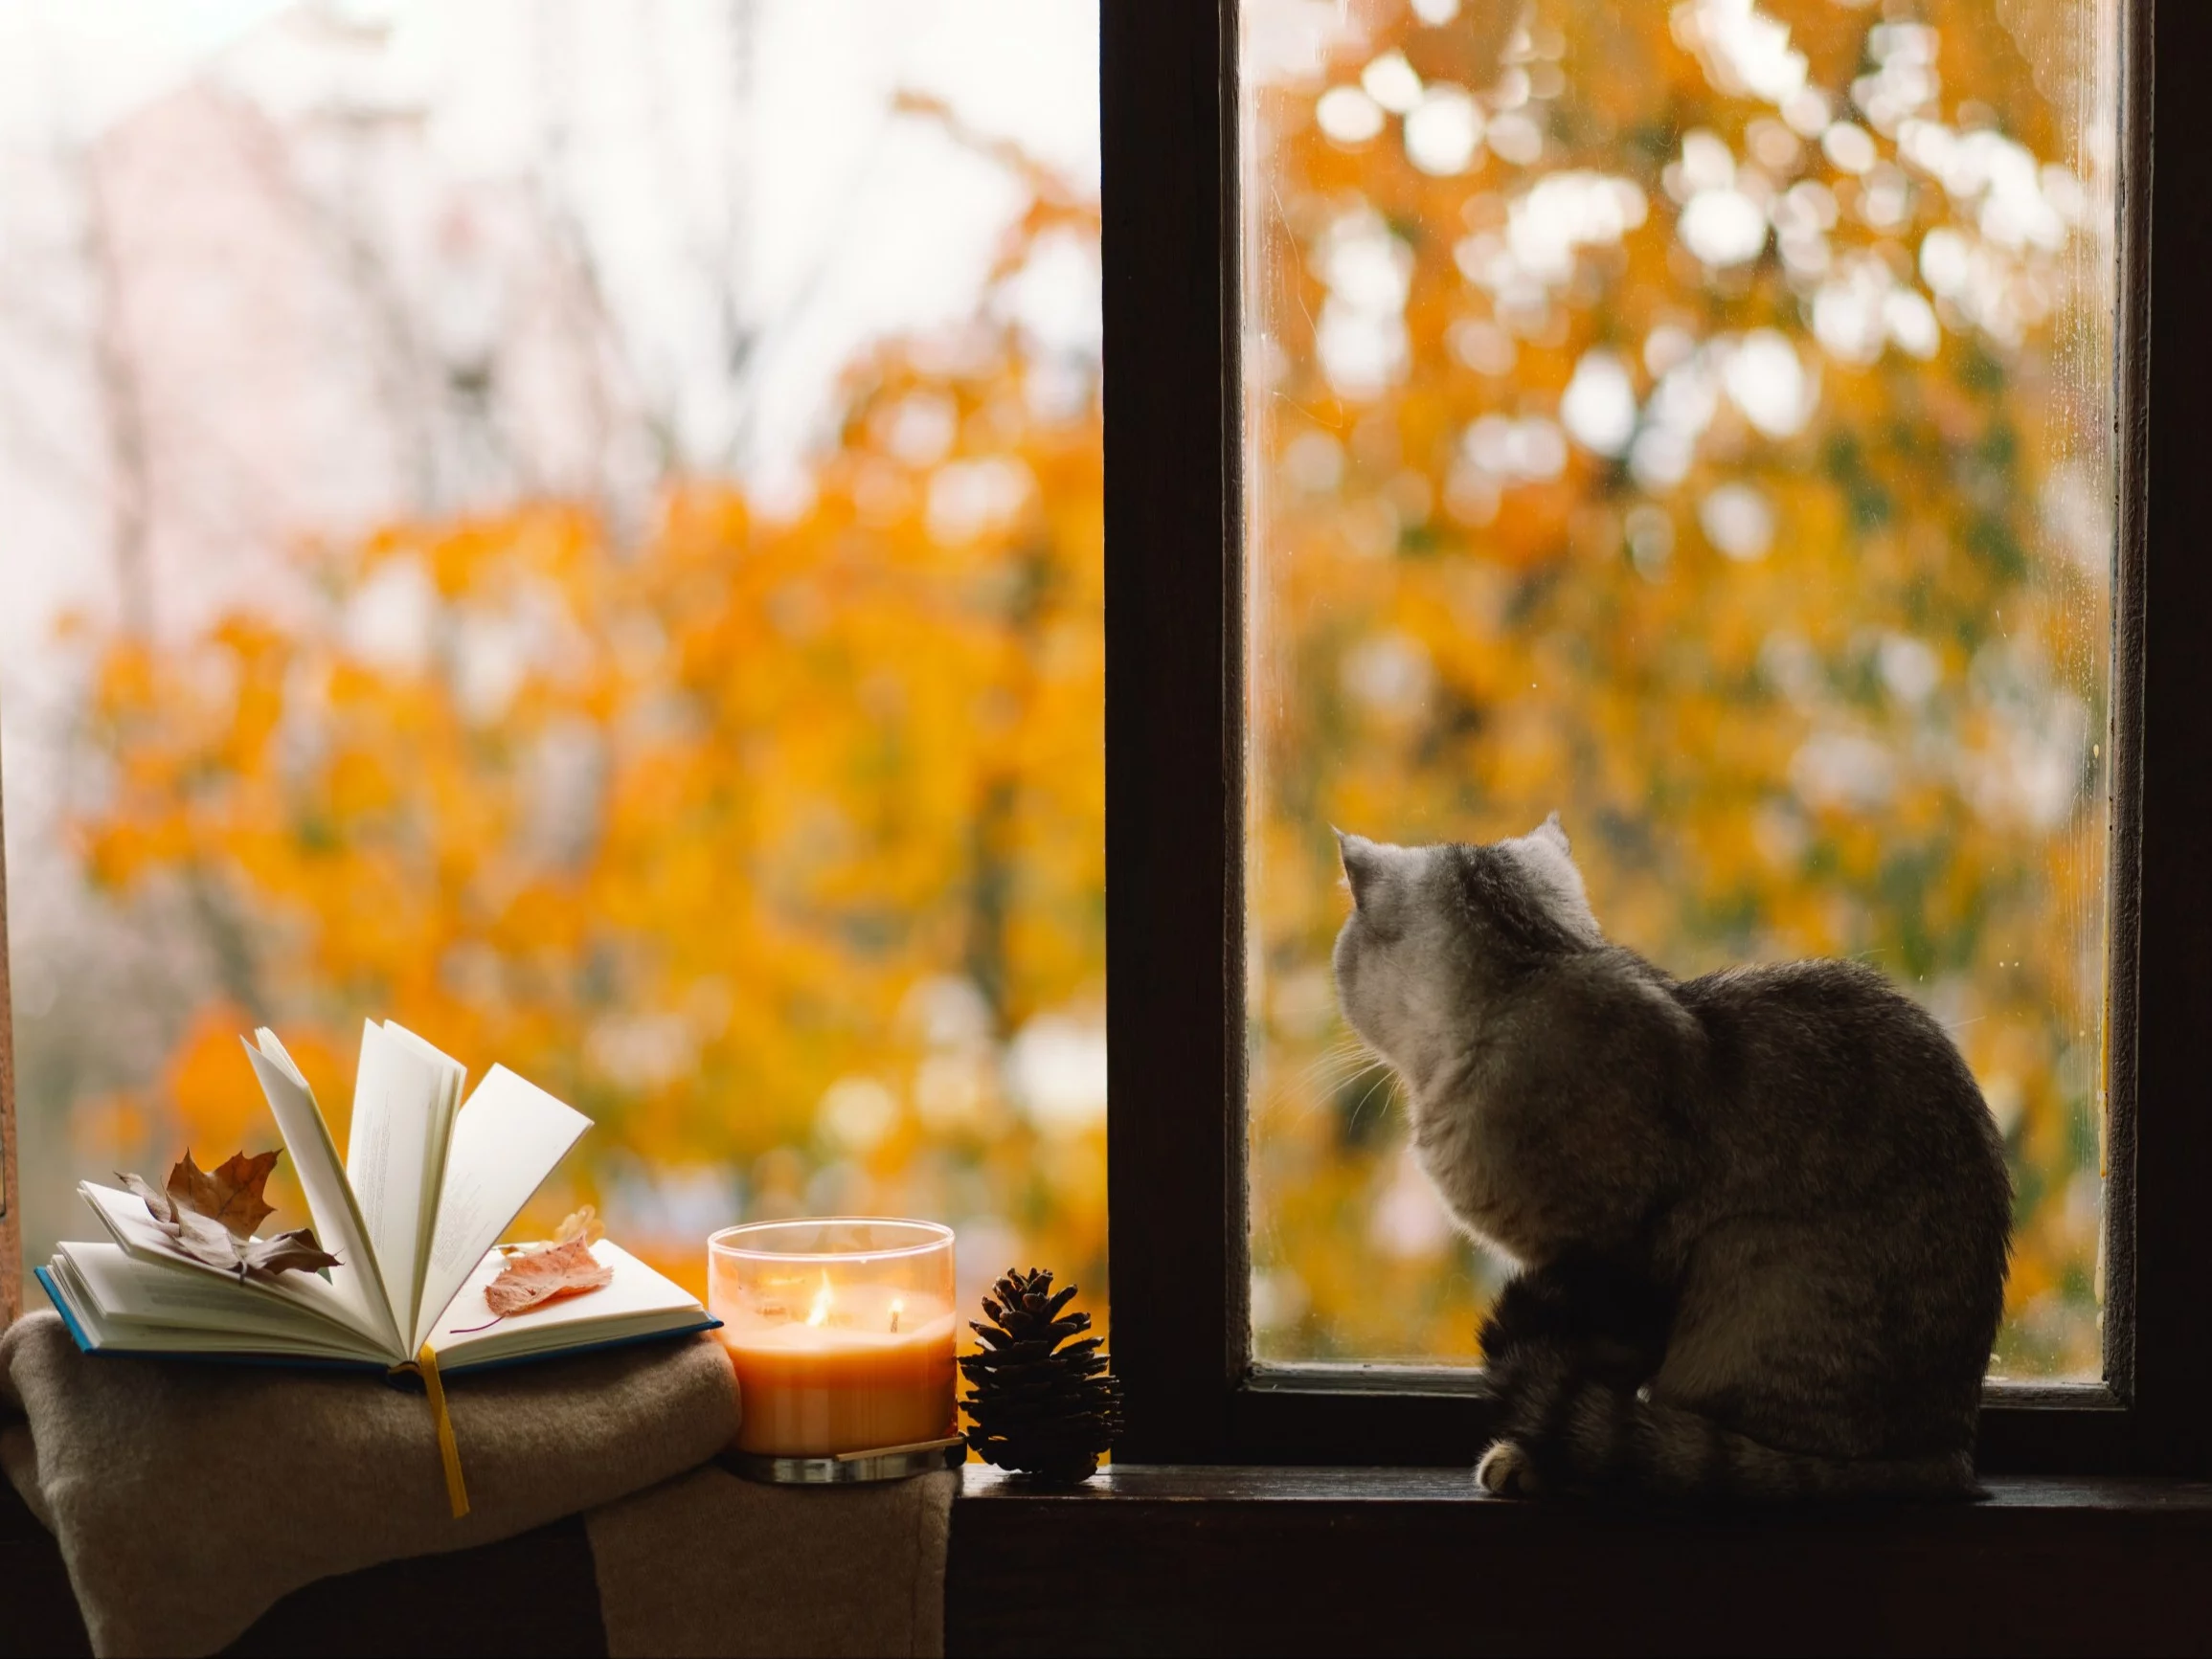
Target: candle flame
<point x="897" y="1307"/>
<point x="819" y="1312"/>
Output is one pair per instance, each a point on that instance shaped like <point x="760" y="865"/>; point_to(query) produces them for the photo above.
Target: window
<point x="498" y="606"/>
<point x="1362" y="412"/>
<point x="577" y="529"/>
<point x="1699" y="422"/>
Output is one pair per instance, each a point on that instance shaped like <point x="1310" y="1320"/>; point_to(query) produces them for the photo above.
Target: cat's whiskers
<point x="1328" y="1086"/>
<point x="1387" y="1083"/>
<point x="1346" y="1058"/>
<point x="1330" y="1074"/>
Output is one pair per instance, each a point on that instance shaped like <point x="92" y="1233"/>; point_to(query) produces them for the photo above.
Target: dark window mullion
<point x="1174" y="719"/>
<point x="2159" y="1158"/>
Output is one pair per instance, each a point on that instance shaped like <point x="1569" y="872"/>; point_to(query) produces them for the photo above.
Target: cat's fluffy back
<point x="1825" y="1092"/>
<point x="1822" y="1076"/>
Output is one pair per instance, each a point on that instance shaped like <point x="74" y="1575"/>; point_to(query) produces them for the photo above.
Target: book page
<point x="506" y="1142"/>
<point x="453" y="1078"/>
<point x="338" y="1224"/>
<point x="394" y="1150"/>
<point x="129" y="1293"/>
<point x="96" y="1331"/>
<point x="125" y="1217"/>
<point x="637" y="1302"/>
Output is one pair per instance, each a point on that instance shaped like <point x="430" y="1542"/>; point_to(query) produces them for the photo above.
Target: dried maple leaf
<point x="584" y="1223"/>
<point x="533" y="1277"/>
<point x="200" y="1236"/>
<point x="207" y="1240"/>
<point x="159" y="1204"/>
<point x="293" y="1251"/>
<point x="230" y="1193"/>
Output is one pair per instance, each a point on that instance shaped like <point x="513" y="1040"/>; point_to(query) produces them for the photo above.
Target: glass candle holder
<point x="842" y="1334"/>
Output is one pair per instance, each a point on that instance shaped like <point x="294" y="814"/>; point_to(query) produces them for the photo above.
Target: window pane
<point x="1697" y="419"/>
<point x="574" y="527"/>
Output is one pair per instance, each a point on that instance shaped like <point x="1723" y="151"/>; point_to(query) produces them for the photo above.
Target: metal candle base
<point x="896" y="1463"/>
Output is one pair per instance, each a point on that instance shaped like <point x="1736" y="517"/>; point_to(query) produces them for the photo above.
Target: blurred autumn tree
<point x="1694" y="418"/>
<point x="1689" y="417"/>
<point x="772" y="845"/>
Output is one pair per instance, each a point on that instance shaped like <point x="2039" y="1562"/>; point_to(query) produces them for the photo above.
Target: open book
<point x="413" y="1214"/>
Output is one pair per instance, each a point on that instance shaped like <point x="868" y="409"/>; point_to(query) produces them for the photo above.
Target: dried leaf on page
<point x="204" y="1239"/>
<point x="584" y="1223"/>
<point x="230" y="1193"/>
<point x="158" y="1203"/>
<point x="198" y="1236"/>
<point x="293" y="1251"/>
<point x="533" y="1277"/>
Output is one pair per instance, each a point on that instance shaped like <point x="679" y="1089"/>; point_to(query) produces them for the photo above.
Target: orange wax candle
<point x="850" y="1383"/>
<point x="842" y="1334"/>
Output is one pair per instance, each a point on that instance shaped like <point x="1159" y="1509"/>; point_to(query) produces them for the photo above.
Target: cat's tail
<point x="1580" y="1436"/>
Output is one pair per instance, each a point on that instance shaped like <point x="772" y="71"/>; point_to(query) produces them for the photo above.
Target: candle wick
<point x="896" y="1309"/>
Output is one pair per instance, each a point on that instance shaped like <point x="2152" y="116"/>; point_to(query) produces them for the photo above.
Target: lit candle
<point x="842" y="1334"/>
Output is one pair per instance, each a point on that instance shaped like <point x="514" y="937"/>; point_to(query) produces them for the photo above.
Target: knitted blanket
<point x="187" y="1498"/>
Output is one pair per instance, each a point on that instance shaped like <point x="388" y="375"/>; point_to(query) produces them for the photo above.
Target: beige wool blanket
<point x="339" y="1471"/>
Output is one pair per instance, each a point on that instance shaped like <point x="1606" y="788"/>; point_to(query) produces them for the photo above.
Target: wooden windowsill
<point x="1266" y="1485"/>
<point x="1360" y="1560"/>
<point x="1354" y="1560"/>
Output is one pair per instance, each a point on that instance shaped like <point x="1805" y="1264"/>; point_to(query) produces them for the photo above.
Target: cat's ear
<point x="1550" y="831"/>
<point x="1363" y="861"/>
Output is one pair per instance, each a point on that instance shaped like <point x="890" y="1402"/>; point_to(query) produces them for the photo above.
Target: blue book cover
<point x="460" y="1367"/>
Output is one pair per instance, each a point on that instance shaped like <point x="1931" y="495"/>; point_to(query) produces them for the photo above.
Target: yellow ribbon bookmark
<point x="426" y="1366"/>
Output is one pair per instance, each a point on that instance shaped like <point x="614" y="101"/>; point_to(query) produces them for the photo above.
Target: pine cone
<point x="1039" y="1407"/>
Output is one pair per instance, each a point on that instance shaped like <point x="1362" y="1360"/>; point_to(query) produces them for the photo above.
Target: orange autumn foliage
<point x="692" y="828"/>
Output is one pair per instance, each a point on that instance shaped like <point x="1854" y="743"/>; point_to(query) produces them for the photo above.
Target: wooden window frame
<point x="1179" y="1205"/>
<point x="1179" y="1210"/>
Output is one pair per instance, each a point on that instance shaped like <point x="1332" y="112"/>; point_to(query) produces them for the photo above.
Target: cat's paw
<point x="1505" y="1471"/>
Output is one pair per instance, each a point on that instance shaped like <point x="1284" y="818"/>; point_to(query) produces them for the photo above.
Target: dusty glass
<point x="1696" y="420"/>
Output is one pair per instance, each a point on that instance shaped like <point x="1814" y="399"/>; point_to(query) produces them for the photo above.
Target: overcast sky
<point x="861" y="222"/>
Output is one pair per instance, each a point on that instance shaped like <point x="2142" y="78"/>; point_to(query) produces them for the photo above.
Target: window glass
<point x="1696" y="418"/>
<point x="577" y="529"/>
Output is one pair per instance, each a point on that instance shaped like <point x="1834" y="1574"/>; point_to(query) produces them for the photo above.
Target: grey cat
<point x="1762" y="1218"/>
